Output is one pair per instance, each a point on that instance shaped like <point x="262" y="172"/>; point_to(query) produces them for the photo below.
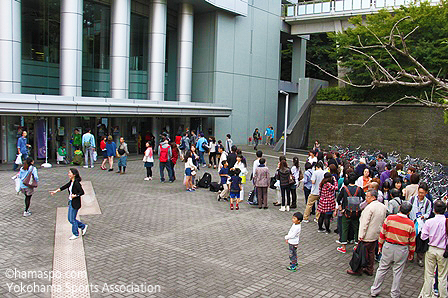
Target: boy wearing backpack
<point x="235" y="188"/>
<point x="349" y="202"/>
<point x="165" y="155"/>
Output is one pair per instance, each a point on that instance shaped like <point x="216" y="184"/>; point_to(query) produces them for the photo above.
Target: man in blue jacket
<point x="201" y="143"/>
<point x="22" y="148"/>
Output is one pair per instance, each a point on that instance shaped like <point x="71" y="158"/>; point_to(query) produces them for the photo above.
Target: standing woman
<point x="190" y="168"/>
<point x="365" y="180"/>
<point x="212" y="152"/>
<point x="240" y="164"/>
<point x="111" y="150"/>
<point x="104" y="152"/>
<point x="284" y="174"/>
<point x="123" y="153"/>
<point x="174" y="157"/>
<point x="27" y="169"/>
<point x="195" y="160"/>
<point x="327" y="201"/>
<point x="297" y="173"/>
<point x="148" y="159"/>
<point x="75" y="192"/>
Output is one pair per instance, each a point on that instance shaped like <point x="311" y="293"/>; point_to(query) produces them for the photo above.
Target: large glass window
<point x="40" y="46"/>
<point x="138" y="60"/>
<point x="95" y="53"/>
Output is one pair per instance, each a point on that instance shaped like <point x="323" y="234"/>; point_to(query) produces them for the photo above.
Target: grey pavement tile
<point x="187" y="242"/>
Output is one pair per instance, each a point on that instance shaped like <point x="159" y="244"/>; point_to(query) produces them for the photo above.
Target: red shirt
<point x="102" y="145"/>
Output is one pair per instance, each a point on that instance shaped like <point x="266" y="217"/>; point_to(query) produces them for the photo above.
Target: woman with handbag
<point x="28" y="182"/>
<point x="286" y="178"/>
<point x="148" y="159"/>
<point x="75" y="192"/>
<point x="111" y="149"/>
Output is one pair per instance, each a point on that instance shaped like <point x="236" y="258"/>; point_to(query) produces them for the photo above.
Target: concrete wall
<point x="236" y="63"/>
<point x="408" y="129"/>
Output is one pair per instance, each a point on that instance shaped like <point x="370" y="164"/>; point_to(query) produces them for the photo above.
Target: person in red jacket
<point x="174" y="158"/>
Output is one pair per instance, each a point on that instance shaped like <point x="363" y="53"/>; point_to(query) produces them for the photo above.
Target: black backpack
<point x="204" y="146"/>
<point x="215" y="186"/>
<point x="353" y="208"/>
<point x="205" y="181"/>
<point x="272" y="183"/>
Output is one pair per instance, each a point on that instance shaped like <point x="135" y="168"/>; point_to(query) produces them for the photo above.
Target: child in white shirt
<point x="293" y="240"/>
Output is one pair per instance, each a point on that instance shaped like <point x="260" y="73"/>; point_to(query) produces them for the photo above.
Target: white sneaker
<point x="146" y="179"/>
<point x="73" y="237"/>
<point x="92" y="166"/>
<point x="26" y="213"/>
<point x="305" y="220"/>
<point x="84" y="231"/>
<point x="287" y="208"/>
<point x="282" y="208"/>
<point x="315" y="220"/>
<point x="86" y="167"/>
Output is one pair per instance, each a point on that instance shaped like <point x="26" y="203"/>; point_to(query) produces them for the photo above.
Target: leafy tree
<point x="407" y="48"/>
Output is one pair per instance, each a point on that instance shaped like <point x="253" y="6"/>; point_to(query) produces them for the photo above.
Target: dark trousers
<point x="307" y="192"/>
<point x="148" y="171"/>
<point x="370" y="252"/>
<point x="212" y="158"/>
<point x="325" y="219"/>
<point x="256" y="143"/>
<point x="262" y="193"/>
<point x="346" y="224"/>
<point x="293" y="254"/>
<point x="286" y="190"/>
<point x="293" y="196"/>
<point x="166" y="165"/>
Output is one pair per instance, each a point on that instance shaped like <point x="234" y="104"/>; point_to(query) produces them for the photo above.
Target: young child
<point x="293" y="240"/>
<point x="62" y="154"/>
<point x="235" y="188"/>
<point x="224" y="175"/>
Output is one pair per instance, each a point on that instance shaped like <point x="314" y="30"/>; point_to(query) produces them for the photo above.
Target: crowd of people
<point x="383" y="209"/>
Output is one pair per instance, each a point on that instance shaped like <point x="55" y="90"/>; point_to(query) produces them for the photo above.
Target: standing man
<point x="397" y="243"/>
<point x="435" y="231"/>
<point x="229" y="144"/>
<point x="88" y="143"/>
<point x="272" y="139"/>
<point x="200" y="146"/>
<point x="193" y="138"/>
<point x="77" y="139"/>
<point x="256" y="136"/>
<point x="316" y="179"/>
<point x="165" y="155"/>
<point x="372" y="218"/>
<point x="222" y="158"/>
<point x="22" y="148"/>
<point x="267" y="133"/>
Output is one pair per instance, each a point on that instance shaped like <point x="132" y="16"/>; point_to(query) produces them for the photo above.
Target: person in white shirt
<point x="312" y="158"/>
<point x="190" y="169"/>
<point x="316" y="179"/>
<point x="240" y="165"/>
<point x="212" y="152"/>
<point x="292" y="239"/>
<point x="222" y="158"/>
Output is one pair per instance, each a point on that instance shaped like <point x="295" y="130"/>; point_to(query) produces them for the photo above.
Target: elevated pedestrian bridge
<point x="319" y="16"/>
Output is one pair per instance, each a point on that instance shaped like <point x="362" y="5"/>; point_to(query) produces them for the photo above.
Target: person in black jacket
<point x="75" y="192"/>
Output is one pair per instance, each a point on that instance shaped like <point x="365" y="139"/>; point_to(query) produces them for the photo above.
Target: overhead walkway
<point x="332" y="15"/>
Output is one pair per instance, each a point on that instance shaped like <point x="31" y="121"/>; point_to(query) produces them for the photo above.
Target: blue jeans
<point x="88" y="152"/>
<point x="76" y="224"/>
<point x="201" y="157"/>
<point x="16" y="166"/>
<point x="166" y="165"/>
<point x="122" y="161"/>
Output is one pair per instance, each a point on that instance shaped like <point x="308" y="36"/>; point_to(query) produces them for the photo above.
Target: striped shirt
<point x="398" y="229"/>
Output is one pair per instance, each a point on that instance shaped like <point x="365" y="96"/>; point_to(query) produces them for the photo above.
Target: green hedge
<point x="383" y="94"/>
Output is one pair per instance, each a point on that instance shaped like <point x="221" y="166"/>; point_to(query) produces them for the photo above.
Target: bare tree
<point x="419" y="76"/>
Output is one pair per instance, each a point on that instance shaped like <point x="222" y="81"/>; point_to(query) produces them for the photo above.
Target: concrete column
<point x="10" y="46"/>
<point x="298" y="58"/>
<point x="185" y="52"/>
<point x="119" y="48"/>
<point x="157" y="48"/>
<point x="70" y="67"/>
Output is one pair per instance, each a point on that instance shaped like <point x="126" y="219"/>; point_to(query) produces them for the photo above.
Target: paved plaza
<point x="187" y="244"/>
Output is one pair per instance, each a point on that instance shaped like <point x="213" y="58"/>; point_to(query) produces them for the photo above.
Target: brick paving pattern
<point x="187" y="242"/>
